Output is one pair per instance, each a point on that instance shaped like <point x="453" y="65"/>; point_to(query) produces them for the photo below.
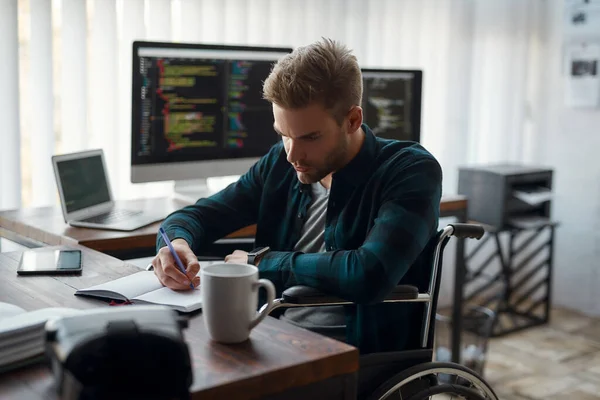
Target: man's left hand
<point x="237" y="257"/>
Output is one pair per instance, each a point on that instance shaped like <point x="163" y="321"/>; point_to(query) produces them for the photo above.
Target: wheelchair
<point x="410" y="374"/>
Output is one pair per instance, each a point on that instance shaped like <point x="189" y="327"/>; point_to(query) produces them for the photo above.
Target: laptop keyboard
<point x="111" y="217"/>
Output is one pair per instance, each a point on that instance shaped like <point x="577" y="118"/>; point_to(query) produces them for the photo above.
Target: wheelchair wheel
<point x="435" y="380"/>
<point x="447" y="391"/>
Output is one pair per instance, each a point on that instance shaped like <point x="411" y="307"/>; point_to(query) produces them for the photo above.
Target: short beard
<point x="334" y="161"/>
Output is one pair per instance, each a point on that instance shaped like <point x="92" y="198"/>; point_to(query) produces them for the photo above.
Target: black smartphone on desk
<point x="50" y="262"/>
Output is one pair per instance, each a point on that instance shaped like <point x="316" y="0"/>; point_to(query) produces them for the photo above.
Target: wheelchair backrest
<point x="421" y="277"/>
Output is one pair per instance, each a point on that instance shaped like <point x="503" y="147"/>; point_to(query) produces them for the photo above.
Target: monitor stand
<point x="190" y="191"/>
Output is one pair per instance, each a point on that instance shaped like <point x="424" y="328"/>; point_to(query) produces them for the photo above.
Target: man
<point x="341" y="210"/>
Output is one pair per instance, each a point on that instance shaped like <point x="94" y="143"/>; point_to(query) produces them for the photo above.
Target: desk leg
<point x="459" y="281"/>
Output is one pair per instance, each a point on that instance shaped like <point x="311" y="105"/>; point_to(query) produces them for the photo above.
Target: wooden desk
<point x="45" y="226"/>
<point x="279" y="360"/>
<point x="454" y="205"/>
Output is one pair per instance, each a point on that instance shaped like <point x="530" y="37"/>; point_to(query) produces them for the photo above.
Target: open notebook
<point x="144" y="288"/>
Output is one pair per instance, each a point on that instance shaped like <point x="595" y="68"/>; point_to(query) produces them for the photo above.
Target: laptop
<point x="86" y="198"/>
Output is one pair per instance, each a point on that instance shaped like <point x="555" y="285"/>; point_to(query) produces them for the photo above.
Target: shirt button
<point x="299" y="215"/>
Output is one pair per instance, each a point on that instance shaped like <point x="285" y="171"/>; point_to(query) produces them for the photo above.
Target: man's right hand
<point x="167" y="271"/>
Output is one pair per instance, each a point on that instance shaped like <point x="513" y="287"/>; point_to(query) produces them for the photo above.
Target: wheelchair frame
<point x="302" y="296"/>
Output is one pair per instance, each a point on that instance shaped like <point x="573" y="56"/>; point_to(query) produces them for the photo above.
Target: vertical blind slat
<point x="190" y="25"/>
<point x="356" y="14"/>
<point x="235" y="21"/>
<point x="212" y="20"/>
<point x="10" y="160"/>
<point x="131" y="27"/>
<point x="258" y="21"/>
<point x="158" y="19"/>
<point x="42" y="143"/>
<point x="74" y="75"/>
<point x="101" y="79"/>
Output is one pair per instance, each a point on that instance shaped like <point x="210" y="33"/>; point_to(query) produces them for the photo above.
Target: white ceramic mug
<point x="230" y="299"/>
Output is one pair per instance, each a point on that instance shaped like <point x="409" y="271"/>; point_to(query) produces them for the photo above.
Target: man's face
<point x="315" y="144"/>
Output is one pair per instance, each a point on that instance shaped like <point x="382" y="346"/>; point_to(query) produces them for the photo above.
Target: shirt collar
<point x="359" y="168"/>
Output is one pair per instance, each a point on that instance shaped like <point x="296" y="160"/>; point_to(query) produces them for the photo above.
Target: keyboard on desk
<point x="111" y="217"/>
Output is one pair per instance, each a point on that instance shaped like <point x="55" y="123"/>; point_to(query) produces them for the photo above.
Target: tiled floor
<point x="558" y="361"/>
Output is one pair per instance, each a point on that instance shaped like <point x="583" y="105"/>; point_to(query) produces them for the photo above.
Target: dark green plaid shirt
<point x="383" y="209"/>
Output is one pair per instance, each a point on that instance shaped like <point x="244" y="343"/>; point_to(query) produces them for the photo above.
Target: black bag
<point x="131" y="352"/>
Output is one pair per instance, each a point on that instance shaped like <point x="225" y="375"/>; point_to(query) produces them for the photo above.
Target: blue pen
<point x="172" y="250"/>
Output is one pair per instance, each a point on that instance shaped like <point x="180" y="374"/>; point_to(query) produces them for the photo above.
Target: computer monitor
<point x="198" y="111"/>
<point x="392" y="103"/>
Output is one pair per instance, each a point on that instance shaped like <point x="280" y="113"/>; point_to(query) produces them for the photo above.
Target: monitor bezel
<point x="184" y="170"/>
<point x="418" y="85"/>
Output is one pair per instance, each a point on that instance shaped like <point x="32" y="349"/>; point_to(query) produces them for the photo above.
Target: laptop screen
<point x="83" y="182"/>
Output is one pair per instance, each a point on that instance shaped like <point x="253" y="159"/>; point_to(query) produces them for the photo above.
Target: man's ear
<point x="355" y="119"/>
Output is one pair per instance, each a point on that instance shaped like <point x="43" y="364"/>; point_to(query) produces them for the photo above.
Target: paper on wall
<point x="582" y="18"/>
<point x="582" y="87"/>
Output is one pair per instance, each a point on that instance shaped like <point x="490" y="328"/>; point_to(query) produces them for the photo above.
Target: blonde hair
<point x="324" y="72"/>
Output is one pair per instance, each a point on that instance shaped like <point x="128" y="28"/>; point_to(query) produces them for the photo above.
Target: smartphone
<point x="44" y="262"/>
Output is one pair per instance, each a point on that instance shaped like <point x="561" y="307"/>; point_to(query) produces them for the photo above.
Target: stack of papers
<point x="534" y="196"/>
<point x="22" y="334"/>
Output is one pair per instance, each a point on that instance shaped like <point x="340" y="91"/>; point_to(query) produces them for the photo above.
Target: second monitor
<point x="392" y="103"/>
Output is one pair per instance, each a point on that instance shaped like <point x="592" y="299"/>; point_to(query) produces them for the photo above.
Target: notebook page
<point x="129" y="286"/>
<point x="185" y="300"/>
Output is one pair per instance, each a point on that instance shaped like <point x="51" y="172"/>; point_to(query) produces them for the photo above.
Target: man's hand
<point x="237" y="257"/>
<point x="167" y="271"/>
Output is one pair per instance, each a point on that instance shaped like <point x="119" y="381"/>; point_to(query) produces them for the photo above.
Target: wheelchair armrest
<point x="403" y="292"/>
<point x="306" y="295"/>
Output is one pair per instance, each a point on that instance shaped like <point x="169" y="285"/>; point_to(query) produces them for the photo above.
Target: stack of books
<point x="22" y="334"/>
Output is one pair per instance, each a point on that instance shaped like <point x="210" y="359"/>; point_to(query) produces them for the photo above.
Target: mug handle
<point x="270" y="288"/>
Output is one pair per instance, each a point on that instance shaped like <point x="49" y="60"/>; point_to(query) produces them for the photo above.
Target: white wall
<point x="569" y="141"/>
